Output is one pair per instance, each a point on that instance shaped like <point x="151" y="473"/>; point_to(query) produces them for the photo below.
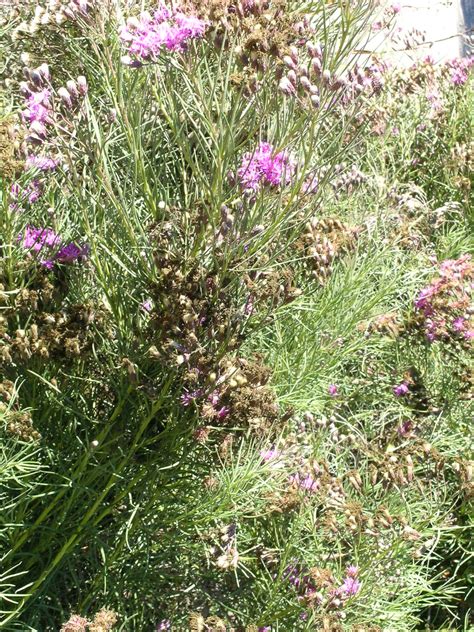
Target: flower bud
<point x="288" y="61"/>
<point x="72" y="88"/>
<point x="65" y="97"/>
<point x="286" y="86"/>
<point x="82" y="85"/>
<point x="44" y="71"/>
<point x="305" y="84"/>
<point x="36" y="77"/>
<point x="25" y="89"/>
<point x="316" y="67"/>
<point x="38" y="128"/>
<point x="292" y="77"/>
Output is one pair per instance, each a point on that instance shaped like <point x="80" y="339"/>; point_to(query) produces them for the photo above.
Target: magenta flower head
<point x="72" y="252"/>
<point x="352" y="571"/>
<point x="43" y="163"/>
<point x="333" y="390"/>
<point x="163" y="625"/>
<point x="35" y="239"/>
<point x="401" y="389"/>
<point x="351" y="586"/>
<point x="167" y="29"/>
<point x="265" y="167"/>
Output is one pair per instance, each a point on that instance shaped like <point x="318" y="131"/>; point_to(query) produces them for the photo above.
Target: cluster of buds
<point x="44" y="109"/>
<point x="54" y="13"/>
<point x="18" y="423"/>
<point x="444" y="308"/>
<point x="224" y="551"/>
<point x="242" y="395"/>
<point x="66" y="333"/>
<point x="307" y="78"/>
<point x="347" y="180"/>
<point x="322" y="242"/>
<point x="409" y="39"/>
<point x="319" y="588"/>
<point x="103" y="621"/>
<point x="303" y="77"/>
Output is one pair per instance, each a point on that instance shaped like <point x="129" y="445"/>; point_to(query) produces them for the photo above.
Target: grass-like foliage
<point x="236" y="321"/>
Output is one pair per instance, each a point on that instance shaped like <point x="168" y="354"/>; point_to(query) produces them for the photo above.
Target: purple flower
<point x="171" y="29"/>
<point x="351" y="586"/>
<point x="459" y="324"/>
<point x="38" y="107"/>
<point x="188" y="397"/>
<point x="305" y="483"/>
<point x="163" y="625"/>
<point x="264" y="166"/>
<point x="43" y="163"/>
<point x="38" y="238"/>
<point x="147" y="305"/>
<point x="72" y="252"/>
<point x="333" y="390"/>
<point x="401" y="389"/>
<point x="352" y="571"/>
<point x="405" y="428"/>
<point x="223" y="412"/>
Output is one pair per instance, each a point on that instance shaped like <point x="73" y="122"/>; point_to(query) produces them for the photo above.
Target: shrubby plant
<point x="235" y="335"/>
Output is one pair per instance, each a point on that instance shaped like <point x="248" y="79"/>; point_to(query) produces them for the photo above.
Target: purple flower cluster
<point x="168" y="28"/>
<point x="42" y="163"/>
<point x="264" y="166"/>
<point x="37" y="114"/>
<point x="459" y="69"/>
<point x="446" y="304"/>
<point x="45" y="240"/>
<point x="42" y="107"/>
<point x="305" y="482"/>
<point x="401" y="389"/>
<point x="351" y="584"/>
<point x="323" y="591"/>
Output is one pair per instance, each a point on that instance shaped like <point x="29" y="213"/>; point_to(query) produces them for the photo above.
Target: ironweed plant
<point x="234" y="335"/>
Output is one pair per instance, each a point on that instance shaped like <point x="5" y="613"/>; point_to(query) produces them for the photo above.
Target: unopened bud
<point x="72" y="88"/>
<point x="286" y="86"/>
<point x="305" y="83"/>
<point x="65" y="97"/>
<point x="44" y="71"/>
<point x="82" y="85"/>
<point x="292" y="77"/>
<point x="288" y="61"/>
<point x="316" y="66"/>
